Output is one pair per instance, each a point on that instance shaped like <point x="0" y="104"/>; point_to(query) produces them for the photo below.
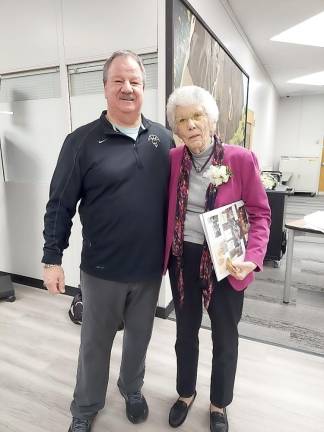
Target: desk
<point x="286" y="176"/>
<point x="294" y="228"/>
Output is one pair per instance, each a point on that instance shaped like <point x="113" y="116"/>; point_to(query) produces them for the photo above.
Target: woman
<point x="192" y="114"/>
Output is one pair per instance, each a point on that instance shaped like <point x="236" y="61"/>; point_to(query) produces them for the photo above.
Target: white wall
<point x="28" y="34"/>
<point x="91" y="30"/>
<point x="300" y="128"/>
<point x="94" y="29"/>
<point x="62" y="32"/>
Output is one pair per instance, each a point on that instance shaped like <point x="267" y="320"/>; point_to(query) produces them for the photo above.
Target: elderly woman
<point x="192" y="114"/>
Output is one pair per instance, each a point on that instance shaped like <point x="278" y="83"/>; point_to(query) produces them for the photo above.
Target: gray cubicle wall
<point x="31" y="138"/>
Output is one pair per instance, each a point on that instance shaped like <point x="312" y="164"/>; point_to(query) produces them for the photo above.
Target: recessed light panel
<point x="316" y="79"/>
<point x="308" y="32"/>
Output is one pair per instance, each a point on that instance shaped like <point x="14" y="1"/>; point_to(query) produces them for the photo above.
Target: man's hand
<point x="54" y="279"/>
<point x="239" y="270"/>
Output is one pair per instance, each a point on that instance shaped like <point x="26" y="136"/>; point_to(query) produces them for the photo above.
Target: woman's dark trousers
<point x="225" y="310"/>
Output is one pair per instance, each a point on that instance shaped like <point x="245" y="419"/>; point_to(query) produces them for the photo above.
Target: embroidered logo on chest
<point x="154" y="139"/>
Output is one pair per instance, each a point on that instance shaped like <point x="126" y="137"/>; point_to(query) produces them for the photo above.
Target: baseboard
<point x="37" y="283"/>
<point x="72" y="291"/>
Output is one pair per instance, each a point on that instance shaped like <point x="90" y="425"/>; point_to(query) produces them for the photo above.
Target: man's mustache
<point x="128" y="97"/>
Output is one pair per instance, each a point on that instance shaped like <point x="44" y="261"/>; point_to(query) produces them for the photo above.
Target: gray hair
<point x="191" y="95"/>
<point x="123" y="53"/>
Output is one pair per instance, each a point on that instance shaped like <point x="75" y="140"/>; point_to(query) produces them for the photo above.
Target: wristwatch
<point x="51" y="265"/>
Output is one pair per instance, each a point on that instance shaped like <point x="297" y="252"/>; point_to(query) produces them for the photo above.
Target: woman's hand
<point x="239" y="270"/>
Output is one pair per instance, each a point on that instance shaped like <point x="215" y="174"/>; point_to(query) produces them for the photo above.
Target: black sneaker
<point x="80" y="425"/>
<point x="136" y="406"/>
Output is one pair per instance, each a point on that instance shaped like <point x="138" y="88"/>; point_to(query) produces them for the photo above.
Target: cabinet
<point x="305" y="172"/>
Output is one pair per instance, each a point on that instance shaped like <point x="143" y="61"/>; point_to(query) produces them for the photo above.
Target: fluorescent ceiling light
<point x="312" y="79"/>
<point x="309" y="32"/>
<point x="6" y="112"/>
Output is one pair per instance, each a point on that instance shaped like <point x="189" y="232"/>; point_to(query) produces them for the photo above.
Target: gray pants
<point x="105" y="305"/>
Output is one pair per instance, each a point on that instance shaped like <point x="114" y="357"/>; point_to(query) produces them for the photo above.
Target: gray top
<point x="132" y="132"/>
<point x="193" y="230"/>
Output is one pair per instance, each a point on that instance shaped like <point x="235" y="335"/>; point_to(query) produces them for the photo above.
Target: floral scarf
<point x="206" y="265"/>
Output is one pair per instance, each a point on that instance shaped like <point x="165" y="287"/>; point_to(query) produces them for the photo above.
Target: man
<point x="118" y="167"/>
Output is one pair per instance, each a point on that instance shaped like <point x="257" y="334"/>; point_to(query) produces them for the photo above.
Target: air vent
<point x="40" y="84"/>
<point x="86" y="78"/>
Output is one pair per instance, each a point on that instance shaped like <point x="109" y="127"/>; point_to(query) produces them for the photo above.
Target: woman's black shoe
<point x="179" y="412"/>
<point x="218" y="421"/>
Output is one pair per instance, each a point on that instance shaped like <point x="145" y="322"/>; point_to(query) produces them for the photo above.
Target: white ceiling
<point x="263" y="19"/>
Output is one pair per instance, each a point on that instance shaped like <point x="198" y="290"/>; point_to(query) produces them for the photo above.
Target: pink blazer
<point x="245" y="184"/>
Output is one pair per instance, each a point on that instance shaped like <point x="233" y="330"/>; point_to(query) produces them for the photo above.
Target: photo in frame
<point x="195" y="56"/>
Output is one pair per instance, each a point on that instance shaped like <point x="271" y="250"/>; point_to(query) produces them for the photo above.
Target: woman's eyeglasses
<point x="195" y="117"/>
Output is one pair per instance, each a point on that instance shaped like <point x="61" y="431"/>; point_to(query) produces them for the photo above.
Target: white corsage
<point x="218" y="174"/>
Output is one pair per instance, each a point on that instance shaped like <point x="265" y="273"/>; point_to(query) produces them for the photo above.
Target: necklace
<point x="198" y="168"/>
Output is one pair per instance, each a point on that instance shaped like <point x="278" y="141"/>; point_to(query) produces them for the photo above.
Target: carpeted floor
<point x="300" y="324"/>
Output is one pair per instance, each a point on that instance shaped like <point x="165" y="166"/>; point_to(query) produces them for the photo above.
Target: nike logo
<point x="101" y="141"/>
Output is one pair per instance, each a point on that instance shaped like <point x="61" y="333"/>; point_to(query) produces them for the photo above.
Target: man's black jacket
<point x="122" y="187"/>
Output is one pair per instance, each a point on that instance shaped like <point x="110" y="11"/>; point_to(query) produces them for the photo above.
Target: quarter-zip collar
<point x="108" y="129"/>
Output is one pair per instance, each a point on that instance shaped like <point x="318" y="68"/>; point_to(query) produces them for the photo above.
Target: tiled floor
<point x="276" y="389"/>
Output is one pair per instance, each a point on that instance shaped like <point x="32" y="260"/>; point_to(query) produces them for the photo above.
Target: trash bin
<point x="277" y="240"/>
<point x="7" y="291"/>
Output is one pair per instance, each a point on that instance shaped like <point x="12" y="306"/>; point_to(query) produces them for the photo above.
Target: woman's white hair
<point x="191" y="95"/>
